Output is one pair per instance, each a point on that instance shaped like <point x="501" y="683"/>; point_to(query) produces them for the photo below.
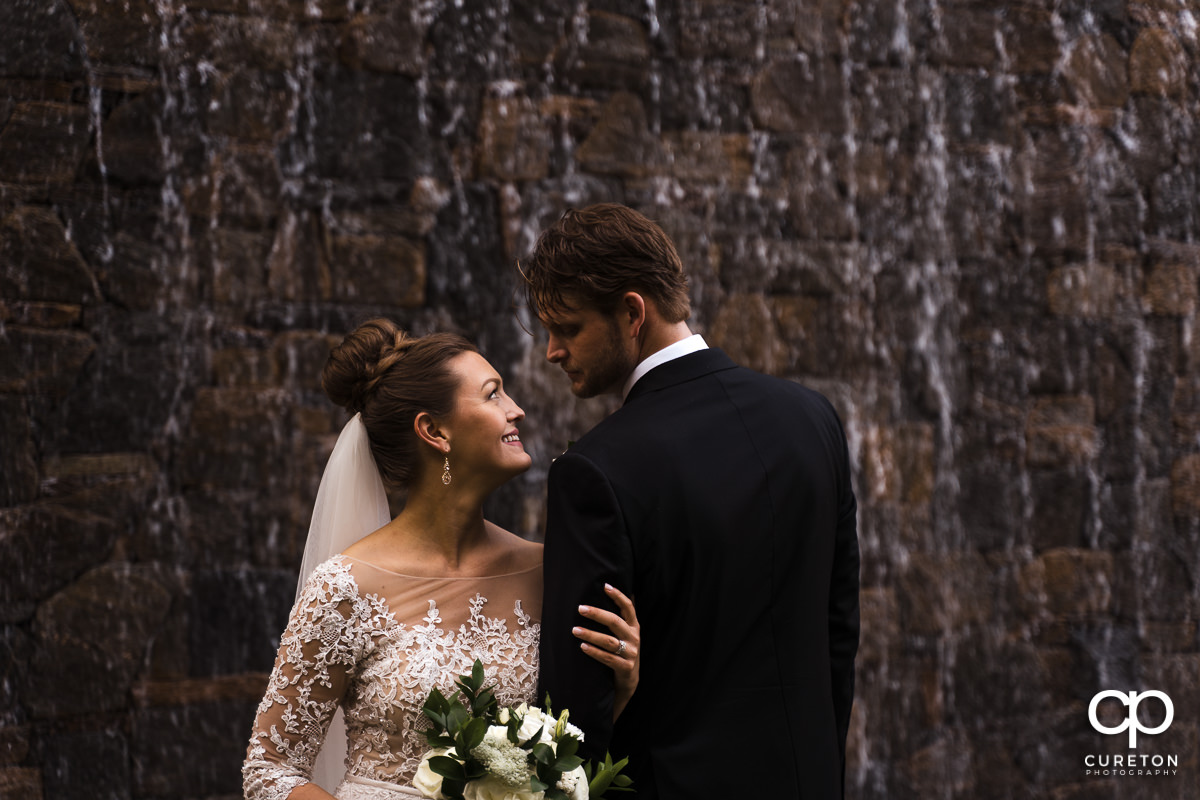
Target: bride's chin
<point x="522" y="468"/>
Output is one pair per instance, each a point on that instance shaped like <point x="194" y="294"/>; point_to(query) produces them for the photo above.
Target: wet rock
<point x="800" y="96"/>
<point x="185" y="745"/>
<point x="253" y="105"/>
<point x="240" y="437"/>
<point x="18" y="458"/>
<point x="1170" y="289"/>
<point x="43" y="142"/>
<point x="1069" y="582"/>
<point x="937" y="594"/>
<point x="1185" y="485"/>
<point x="1030" y="38"/>
<point x="91" y="639"/>
<point x="612" y="53"/>
<point x="387" y="267"/>
<point x="1085" y="290"/>
<point x="715" y="29"/>
<point x="969" y="36"/>
<point x="236" y="42"/>
<point x="39" y="262"/>
<point x="621" y="143"/>
<point x="391" y="41"/>
<point x="226" y="640"/>
<point x="56" y="543"/>
<point x="85" y="764"/>
<point x="710" y="158"/>
<point x="355" y="138"/>
<point x="40" y="40"/>
<point x="514" y="141"/>
<point x="1061" y="431"/>
<point x="1158" y="64"/>
<point x="311" y="10"/>
<point x="1097" y="72"/>
<point x="745" y="329"/>
<point x="125" y="33"/>
<point x="42" y="362"/>
<point x="21" y="783"/>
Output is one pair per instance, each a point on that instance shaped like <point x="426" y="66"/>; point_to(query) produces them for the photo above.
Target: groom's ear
<point x="633" y="312"/>
<point x="430" y="431"/>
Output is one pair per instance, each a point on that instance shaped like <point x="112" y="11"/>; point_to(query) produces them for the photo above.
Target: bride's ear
<point x="432" y="432"/>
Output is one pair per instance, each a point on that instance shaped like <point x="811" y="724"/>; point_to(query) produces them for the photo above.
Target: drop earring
<point x="446" y="473"/>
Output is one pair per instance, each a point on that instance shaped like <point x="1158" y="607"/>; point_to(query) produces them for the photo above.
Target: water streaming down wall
<point x="972" y="224"/>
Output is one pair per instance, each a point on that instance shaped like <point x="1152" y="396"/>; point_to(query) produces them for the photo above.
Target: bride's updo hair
<point x="390" y="377"/>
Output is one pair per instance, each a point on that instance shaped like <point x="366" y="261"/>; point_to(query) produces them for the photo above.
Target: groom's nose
<point x="555" y="352"/>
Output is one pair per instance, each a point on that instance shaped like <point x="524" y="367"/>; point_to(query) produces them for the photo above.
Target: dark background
<point x="971" y="223"/>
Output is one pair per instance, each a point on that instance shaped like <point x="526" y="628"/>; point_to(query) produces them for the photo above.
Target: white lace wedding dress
<point x="374" y="643"/>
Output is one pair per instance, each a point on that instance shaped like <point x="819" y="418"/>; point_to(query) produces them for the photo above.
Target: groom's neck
<point x="661" y="335"/>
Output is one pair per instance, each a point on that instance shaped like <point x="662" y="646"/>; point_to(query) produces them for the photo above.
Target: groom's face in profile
<point x="589" y="346"/>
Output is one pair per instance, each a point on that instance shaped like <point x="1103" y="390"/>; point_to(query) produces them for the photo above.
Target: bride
<point x="390" y="608"/>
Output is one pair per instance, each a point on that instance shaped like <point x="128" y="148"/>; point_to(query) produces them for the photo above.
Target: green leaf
<point x="568" y="746"/>
<point x="473" y="733"/>
<point x="543" y="753"/>
<point x="565" y="764"/>
<point x="484" y="702"/>
<point x="448" y="767"/>
<point x="608" y="778"/>
<point x="536" y="784"/>
<point x="436" y="740"/>
<point x="453" y="789"/>
<point x="436" y="702"/>
<point x="457" y="719"/>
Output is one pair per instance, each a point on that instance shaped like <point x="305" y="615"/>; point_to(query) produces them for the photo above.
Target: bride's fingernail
<point x="584" y="609"/>
<point x="576" y="631"/>
<point x="608" y="586"/>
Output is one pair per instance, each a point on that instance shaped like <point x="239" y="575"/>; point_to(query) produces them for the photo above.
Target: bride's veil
<point x="351" y="503"/>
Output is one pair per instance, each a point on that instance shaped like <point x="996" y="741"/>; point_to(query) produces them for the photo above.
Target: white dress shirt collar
<point x="683" y="347"/>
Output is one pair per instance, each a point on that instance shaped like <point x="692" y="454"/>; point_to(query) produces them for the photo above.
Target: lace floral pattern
<point x="343" y="644"/>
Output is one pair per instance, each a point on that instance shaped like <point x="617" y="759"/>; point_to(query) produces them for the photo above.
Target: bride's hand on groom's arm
<point x="620" y="649"/>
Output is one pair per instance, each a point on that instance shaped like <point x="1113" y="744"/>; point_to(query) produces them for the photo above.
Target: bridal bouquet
<point x="481" y="751"/>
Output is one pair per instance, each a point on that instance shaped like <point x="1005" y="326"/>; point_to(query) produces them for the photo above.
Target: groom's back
<point x="732" y="484"/>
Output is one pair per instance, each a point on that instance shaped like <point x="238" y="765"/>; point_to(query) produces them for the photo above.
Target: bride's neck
<point x="441" y="527"/>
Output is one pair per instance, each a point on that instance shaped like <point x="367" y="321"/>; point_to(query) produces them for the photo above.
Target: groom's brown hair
<point x="596" y="255"/>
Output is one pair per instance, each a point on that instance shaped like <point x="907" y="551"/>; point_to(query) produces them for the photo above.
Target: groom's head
<point x="599" y="280"/>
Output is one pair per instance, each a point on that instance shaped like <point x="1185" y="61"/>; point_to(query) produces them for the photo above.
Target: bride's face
<point x="483" y="426"/>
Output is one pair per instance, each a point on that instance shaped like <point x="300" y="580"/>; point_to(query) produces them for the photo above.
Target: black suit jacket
<point x="720" y="499"/>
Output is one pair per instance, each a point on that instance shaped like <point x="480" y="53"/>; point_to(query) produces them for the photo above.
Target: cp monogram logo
<point x="1131" y="721"/>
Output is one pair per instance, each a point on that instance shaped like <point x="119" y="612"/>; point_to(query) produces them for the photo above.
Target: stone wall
<point x="972" y="223"/>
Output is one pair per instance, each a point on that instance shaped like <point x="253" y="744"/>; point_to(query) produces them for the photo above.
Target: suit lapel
<point x="680" y="370"/>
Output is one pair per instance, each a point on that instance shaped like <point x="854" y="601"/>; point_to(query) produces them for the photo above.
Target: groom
<point x="720" y="499"/>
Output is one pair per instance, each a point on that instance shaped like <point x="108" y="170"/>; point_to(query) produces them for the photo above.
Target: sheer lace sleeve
<point x="326" y="638"/>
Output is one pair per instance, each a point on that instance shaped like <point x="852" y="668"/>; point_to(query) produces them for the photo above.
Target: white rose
<point x="531" y="720"/>
<point x="490" y="788"/>
<point x="426" y="781"/>
<point x="575" y="784"/>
